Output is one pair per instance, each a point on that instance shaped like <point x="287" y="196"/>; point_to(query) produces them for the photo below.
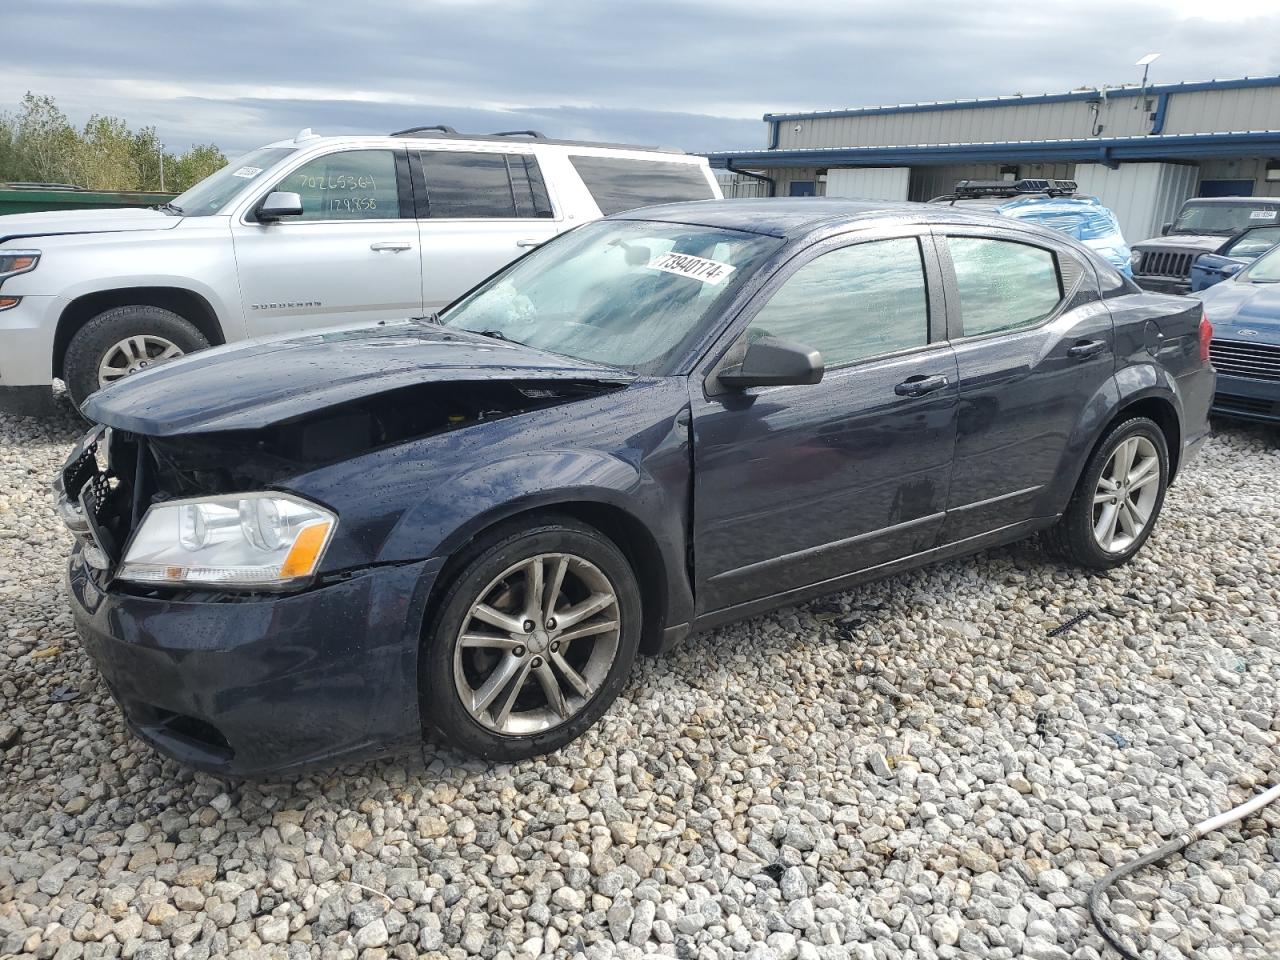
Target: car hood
<point x="257" y="383"/>
<point x="1249" y="312"/>
<point x="1204" y="243"/>
<point x="56" y="222"/>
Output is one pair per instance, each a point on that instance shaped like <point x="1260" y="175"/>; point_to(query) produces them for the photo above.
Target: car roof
<point x="419" y="140"/>
<point x="791" y="218"/>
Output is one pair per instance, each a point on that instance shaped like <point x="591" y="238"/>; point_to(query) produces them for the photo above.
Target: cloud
<point x="698" y="75"/>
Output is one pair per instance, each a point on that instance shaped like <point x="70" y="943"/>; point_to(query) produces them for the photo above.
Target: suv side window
<point x="853" y="303"/>
<point x="476" y="185"/>
<point x="617" y="184"/>
<point x="350" y="185"/>
<point x="1003" y="284"/>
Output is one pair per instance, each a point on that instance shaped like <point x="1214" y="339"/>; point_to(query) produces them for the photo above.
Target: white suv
<point x="304" y="233"/>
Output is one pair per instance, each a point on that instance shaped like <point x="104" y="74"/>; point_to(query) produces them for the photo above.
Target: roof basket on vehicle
<point x="535" y="134"/>
<point x="440" y="127"/>
<point x="968" y="189"/>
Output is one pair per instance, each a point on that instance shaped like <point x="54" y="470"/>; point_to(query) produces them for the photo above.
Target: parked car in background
<point x="1245" y="312"/>
<point x="300" y="234"/>
<point x="1232" y="257"/>
<point x="1163" y="263"/>
<point x="312" y="547"/>
<point x="1053" y="204"/>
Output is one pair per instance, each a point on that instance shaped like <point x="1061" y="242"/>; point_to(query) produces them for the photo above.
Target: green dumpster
<point x="36" y="197"/>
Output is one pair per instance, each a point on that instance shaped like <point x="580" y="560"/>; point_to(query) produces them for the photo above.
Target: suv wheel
<point x="1118" y="499"/>
<point x="531" y="642"/>
<point x="122" y="341"/>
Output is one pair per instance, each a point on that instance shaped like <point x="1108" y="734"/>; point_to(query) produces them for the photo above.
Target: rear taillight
<point x="1206" y="334"/>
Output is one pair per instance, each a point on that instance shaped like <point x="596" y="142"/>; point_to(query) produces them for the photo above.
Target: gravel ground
<point x="912" y="769"/>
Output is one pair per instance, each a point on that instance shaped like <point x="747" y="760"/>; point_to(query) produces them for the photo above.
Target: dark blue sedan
<point x="321" y="546"/>
<point x="1246" y="343"/>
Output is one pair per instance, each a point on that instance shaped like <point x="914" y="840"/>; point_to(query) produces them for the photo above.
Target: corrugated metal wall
<point x="1246" y="168"/>
<point x="1143" y="196"/>
<point x="735" y="186"/>
<point x="869" y="183"/>
<point x="1213" y="111"/>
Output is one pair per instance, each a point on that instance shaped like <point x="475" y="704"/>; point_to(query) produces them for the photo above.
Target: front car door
<point x="800" y="485"/>
<point x="351" y="257"/>
<point x="1033" y="342"/>
<point x="478" y="210"/>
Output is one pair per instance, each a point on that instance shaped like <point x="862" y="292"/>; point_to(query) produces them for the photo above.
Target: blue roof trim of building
<point x="1108" y="150"/>
<point x="1243" y="83"/>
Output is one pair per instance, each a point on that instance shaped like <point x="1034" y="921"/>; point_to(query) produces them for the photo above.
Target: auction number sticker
<point x="247" y="173"/>
<point x="1262" y="215"/>
<point x="696" y="268"/>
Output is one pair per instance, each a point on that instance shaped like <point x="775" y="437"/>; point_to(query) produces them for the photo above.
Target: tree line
<point x="38" y="143"/>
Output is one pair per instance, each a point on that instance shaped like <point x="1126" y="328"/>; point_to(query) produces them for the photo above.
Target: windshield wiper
<point x="171" y="207"/>
<point x="498" y="335"/>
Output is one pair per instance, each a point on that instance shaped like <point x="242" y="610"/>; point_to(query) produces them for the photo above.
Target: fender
<point x="1127" y="386"/>
<point x="573" y="480"/>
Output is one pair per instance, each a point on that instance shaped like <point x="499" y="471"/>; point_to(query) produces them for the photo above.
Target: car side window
<point x="476" y="185"/>
<point x="1003" y="284"/>
<point x="350" y="185"/>
<point x="618" y="183"/>
<point x="853" y="303"/>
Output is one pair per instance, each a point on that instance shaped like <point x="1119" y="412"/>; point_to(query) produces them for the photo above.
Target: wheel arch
<point x="626" y="531"/>
<point x="188" y="304"/>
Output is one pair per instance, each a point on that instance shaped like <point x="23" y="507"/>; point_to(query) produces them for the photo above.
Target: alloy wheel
<point x="133" y="354"/>
<point x="537" y="644"/>
<point x="1126" y="495"/>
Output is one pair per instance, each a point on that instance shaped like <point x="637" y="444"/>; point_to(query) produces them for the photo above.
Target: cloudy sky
<point x="692" y="73"/>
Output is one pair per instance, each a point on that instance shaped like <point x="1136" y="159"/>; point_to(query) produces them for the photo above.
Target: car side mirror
<point x="771" y="362"/>
<point x="1164" y="231"/>
<point x="279" y="204"/>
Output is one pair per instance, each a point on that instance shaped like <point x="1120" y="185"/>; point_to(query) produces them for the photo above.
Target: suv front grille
<point x="1165" y="263"/>
<point x="1258" y="360"/>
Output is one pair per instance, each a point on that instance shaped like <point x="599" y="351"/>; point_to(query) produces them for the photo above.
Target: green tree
<point x="8" y="152"/>
<point x="194" y="165"/>
<point x="105" y="156"/>
<point x="46" y="144"/>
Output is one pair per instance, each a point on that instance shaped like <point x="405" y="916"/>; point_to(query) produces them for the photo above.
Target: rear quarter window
<point x="618" y="184"/>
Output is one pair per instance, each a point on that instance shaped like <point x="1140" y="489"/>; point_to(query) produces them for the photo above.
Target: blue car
<point x="327" y="545"/>
<point x="1245" y="312"/>
<point x="1232" y="257"/>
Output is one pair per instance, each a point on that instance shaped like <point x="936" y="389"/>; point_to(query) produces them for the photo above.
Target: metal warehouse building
<point x="1140" y="150"/>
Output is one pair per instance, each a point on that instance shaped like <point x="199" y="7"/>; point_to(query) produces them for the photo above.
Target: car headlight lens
<point x="14" y="262"/>
<point x="265" y="541"/>
<point x="1135" y="256"/>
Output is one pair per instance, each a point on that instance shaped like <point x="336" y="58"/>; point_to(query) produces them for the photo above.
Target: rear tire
<point x="121" y="341"/>
<point x="505" y="678"/>
<point x="1118" y="499"/>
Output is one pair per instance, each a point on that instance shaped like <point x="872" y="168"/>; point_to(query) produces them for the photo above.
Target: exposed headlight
<point x="14" y="262"/>
<point x="1135" y="257"/>
<point x="264" y="541"/>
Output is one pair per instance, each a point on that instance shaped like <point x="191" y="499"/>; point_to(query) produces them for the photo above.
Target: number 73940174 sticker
<point x="697" y="268"/>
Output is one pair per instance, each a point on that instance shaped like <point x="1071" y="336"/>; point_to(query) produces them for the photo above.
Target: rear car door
<point x="352" y="256"/>
<point x="1033" y="343"/>
<point x="797" y="485"/>
<point x="477" y="211"/>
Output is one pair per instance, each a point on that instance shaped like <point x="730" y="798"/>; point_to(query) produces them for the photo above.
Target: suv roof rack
<point x="408" y="131"/>
<point x="442" y="131"/>
<point x="970" y="189"/>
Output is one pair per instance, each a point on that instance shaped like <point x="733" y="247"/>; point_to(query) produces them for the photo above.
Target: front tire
<point x="1118" y="498"/>
<point x="122" y="341"/>
<point x="531" y="642"/>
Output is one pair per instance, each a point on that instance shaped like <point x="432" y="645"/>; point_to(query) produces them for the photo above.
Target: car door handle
<point x="1086" y="349"/>
<point x="390" y="246"/>
<point x="919" y="386"/>
<point x="528" y="243"/>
